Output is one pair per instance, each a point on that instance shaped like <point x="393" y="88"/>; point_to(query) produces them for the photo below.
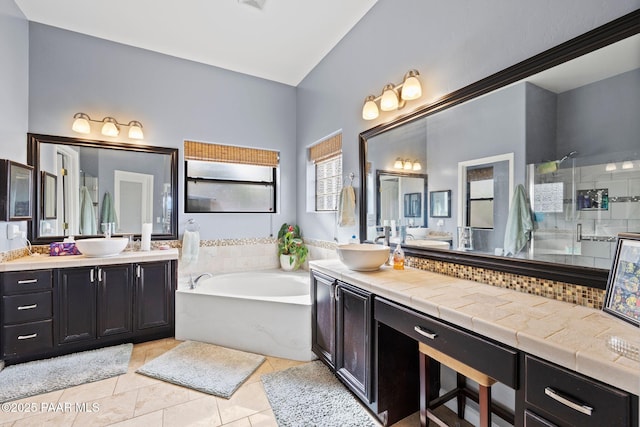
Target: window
<point x="327" y="158"/>
<point x="223" y="178"/>
<point x="480" y="197"/>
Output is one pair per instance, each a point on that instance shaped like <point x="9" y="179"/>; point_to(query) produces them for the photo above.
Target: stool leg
<point x="485" y="405"/>
<point x="461" y="383"/>
<point x="424" y="388"/>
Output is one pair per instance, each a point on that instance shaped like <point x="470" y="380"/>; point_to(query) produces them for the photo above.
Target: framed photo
<point x="440" y="204"/>
<point x="49" y="198"/>
<point x="413" y="205"/>
<point x="622" y="298"/>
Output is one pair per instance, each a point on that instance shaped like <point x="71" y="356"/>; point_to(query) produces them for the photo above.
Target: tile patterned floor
<point x="132" y="400"/>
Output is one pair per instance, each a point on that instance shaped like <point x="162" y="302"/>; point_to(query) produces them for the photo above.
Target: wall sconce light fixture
<point x="110" y="126"/>
<point x="390" y="99"/>
<point x="407" y="164"/>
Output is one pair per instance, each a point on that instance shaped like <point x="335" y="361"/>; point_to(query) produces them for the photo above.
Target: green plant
<point x="290" y="243"/>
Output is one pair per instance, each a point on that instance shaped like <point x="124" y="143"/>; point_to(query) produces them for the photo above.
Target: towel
<point x="190" y="246"/>
<point x="347" y="207"/>
<point x="519" y="223"/>
<point x="87" y="214"/>
<point x="108" y="211"/>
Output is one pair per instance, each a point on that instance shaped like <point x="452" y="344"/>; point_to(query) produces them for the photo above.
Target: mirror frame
<point x="33" y="159"/>
<point x="614" y="31"/>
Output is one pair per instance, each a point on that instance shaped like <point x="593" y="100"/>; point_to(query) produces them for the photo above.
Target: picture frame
<point x="622" y="296"/>
<point x="412" y="205"/>
<point x="440" y="204"/>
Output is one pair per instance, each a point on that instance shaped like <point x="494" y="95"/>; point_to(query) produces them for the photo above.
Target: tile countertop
<point x="571" y="336"/>
<point x="40" y="262"/>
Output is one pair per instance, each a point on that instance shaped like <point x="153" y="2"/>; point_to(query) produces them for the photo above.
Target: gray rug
<point x="204" y="367"/>
<point x="310" y="395"/>
<point x="42" y="376"/>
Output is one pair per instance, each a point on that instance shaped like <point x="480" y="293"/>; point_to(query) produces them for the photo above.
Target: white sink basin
<point x="363" y="257"/>
<point x="102" y="247"/>
<point x="438" y="244"/>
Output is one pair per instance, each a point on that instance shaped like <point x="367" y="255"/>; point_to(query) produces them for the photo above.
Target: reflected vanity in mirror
<point x="561" y="125"/>
<point x="83" y="184"/>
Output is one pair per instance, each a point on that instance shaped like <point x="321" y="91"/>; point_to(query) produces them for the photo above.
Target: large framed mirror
<point x="85" y="183"/>
<point x="566" y="123"/>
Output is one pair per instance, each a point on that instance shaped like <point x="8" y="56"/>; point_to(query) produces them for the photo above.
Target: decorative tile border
<point x="567" y="292"/>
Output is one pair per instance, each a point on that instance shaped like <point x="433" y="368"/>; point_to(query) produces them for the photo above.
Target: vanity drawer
<point x="27" y="338"/>
<point x="573" y="399"/>
<point x="26" y="307"/>
<point x="500" y="363"/>
<point x="25" y="281"/>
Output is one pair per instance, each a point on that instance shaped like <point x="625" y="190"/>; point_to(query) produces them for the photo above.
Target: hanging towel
<point x="108" y="211"/>
<point x="190" y="246"/>
<point x="519" y="223"/>
<point x="347" y="207"/>
<point x="87" y="214"/>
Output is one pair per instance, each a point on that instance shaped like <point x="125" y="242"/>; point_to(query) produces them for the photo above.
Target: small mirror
<point x="440" y="204"/>
<point x="49" y="191"/>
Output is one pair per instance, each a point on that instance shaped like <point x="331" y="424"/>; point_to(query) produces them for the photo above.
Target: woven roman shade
<point x="330" y="147"/>
<point x="479" y="174"/>
<point x="194" y="150"/>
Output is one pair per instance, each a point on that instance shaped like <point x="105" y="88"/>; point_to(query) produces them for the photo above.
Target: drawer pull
<point x="27" y="307"/>
<point x="584" y="409"/>
<point x="27" y="337"/>
<point x="27" y="281"/>
<point x="430" y="335"/>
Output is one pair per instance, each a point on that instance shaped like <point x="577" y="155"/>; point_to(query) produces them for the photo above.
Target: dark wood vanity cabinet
<point x="94" y="302"/>
<point x="153" y="297"/>
<point x="27" y="312"/>
<point x="353" y="338"/>
<point x="323" y="313"/>
<point x="555" y="396"/>
<point x="50" y="312"/>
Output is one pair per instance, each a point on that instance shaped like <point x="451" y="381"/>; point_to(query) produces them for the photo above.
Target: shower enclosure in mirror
<point x="568" y="121"/>
<point x="84" y="184"/>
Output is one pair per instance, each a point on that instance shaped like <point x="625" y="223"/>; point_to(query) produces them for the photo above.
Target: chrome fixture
<point x="194" y="282"/>
<point x="390" y="99"/>
<point x="110" y="126"/>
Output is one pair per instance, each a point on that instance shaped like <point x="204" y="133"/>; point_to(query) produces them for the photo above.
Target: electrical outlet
<point x="12" y="231"/>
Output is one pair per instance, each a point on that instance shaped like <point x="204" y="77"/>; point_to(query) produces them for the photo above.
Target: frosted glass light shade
<point x="109" y="128"/>
<point x="135" y="130"/>
<point x="81" y="123"/>
<point x="417" y="165"/>
<point x="610" y="167"/>
<point x="411" y="88"/>
<point x="398" y="163"/>
<point x="627" y="164"/>
<point x="370" y="109"/>
<point x="408" y="165"/>
<point x="389" y="100"/>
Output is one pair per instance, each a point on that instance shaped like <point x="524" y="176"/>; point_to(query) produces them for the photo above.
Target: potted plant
<point x="291" y="249"/>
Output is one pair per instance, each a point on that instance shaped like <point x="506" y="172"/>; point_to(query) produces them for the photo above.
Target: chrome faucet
<point x="194" y="282"/>
<point x="385" y="236"/>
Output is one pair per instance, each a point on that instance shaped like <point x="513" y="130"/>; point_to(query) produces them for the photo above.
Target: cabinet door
<point x="77" y="304"/>
<point x="115" y="300"/>
<point x="154" y="299"/>
<point x="353" y="339"/>
<point x="323" y="341"/>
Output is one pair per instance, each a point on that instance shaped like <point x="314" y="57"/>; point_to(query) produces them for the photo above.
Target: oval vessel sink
<point x="101" y="247"/>
<point x="363" y="257"/>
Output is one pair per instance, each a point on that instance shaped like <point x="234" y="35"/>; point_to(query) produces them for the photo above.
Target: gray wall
<point x="14" y="93"/>
<point x="174" y="99"/>
<point x="452" y="44"/>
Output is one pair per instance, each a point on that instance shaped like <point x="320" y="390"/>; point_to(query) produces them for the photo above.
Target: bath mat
<point x="204" y="367"/>
<point x="310" y="395"/>
<point x="43" y="376"/>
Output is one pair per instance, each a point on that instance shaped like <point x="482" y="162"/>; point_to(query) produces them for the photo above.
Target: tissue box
<point x="59" y="249"/>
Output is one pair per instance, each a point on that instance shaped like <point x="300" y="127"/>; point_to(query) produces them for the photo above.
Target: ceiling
<point x="282" y="42"/>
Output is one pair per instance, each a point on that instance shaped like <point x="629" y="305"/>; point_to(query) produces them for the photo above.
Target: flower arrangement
<point x="290" y="243"/>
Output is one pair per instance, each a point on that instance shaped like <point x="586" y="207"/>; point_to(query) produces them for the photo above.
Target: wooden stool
<point x="484" y="387"/>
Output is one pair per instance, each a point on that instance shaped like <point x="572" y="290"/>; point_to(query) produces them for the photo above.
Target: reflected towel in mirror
<point x="347" y="207"/>
<point x="190" y="246"/>
<point x="108" y="211"/>
<point x="87" y="214"/>
<point x="519" y="223"/>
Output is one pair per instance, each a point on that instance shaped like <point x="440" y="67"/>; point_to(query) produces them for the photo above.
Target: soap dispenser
<point x="398" y="258"/>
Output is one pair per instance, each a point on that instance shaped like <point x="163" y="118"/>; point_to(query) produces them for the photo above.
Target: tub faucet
<point x="194" y="282"/>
